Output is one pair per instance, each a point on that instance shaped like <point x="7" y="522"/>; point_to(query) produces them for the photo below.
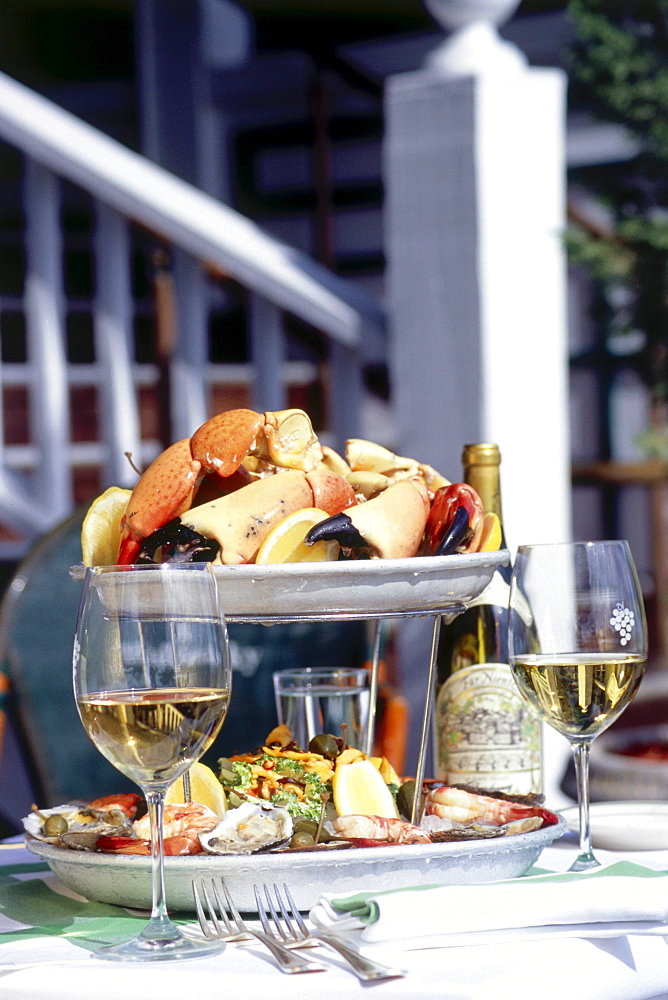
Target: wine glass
<point x="577" y="645"/>
<point x="152" y="684"/>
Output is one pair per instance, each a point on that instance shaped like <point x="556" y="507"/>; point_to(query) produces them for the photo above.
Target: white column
<point x="474" y="169"/>
<point x="475" y="195"/>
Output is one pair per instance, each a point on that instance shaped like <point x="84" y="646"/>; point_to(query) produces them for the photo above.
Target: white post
<point x="475" y="209"/>
<point x="119" y="410"/>
<point x="475" y="195"/>
<point x="44" y="310"/>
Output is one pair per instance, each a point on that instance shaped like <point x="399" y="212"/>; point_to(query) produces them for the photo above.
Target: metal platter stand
<point x="448" y="610"/>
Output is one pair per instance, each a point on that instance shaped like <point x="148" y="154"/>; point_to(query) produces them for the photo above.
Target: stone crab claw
<point x="261" y="441"/>
<point x="222" y="456"/>
<point x="455" y="522"/>
<point x="390" y="526"/>
<point x="368" y="457"/>
<point x="164" y="491"/>
<point x="231" y="528"/>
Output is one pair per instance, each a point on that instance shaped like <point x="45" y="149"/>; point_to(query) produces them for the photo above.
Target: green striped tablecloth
<point x="33" y="903"/>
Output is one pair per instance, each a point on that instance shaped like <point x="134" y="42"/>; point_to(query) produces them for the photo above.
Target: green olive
<point x="326" y="745"/>
<point x="55" y="825"/>
<point x="406" y="798"/>
<point x="305" y="826"/>
<point x="302" y="839"/>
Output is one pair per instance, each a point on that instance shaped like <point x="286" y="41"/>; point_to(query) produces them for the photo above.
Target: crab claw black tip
<point x="176" y="542"/>
<point x="338" y="528"/>
<point x="456" y="533"/>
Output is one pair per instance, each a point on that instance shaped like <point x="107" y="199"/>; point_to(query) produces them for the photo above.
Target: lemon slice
<point x="205" y="789"/>
<point x="285" y="541"/>
<point x="359" y="789"/>
<point x="490" y="540"/>
<point x="101" y="528"/>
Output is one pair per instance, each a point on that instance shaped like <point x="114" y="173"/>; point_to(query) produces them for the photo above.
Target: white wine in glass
<point x="152" y="682"/>
<point x="577" y="646"/>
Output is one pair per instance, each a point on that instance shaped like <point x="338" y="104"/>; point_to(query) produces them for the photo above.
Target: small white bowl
<point x="624" y="826"/>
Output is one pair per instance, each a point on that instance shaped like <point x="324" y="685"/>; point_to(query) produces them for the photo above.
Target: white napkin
<point x="620" y="898"/>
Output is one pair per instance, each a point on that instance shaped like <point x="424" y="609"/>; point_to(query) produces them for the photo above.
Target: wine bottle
<point x="485" y="733"/>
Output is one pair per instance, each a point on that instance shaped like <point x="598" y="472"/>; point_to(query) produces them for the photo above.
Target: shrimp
<point x="182" y="825"/>
<point x="388" y="830"/>
<point x="126" y="802"/>
<point x="462" y="806"/>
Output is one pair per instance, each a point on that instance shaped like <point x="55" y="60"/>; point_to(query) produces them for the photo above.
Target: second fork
<point x="293" y="933"/>
<point x="216" y="922"/>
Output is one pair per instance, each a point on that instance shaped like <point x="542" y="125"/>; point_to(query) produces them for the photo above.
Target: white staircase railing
<point x="207" y="239"/>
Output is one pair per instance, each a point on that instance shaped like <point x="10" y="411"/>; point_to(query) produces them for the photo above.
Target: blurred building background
<point x="277" y="109"/>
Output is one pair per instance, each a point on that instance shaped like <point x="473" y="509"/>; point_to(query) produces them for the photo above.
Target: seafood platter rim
<point x="364" y="588"/>
<point x="125" y="880"/>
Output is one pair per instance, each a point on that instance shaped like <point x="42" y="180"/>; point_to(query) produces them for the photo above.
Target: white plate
<point x="126" y="881"/>
<point x="625" y="826"/>
<point x="365" y="588"/>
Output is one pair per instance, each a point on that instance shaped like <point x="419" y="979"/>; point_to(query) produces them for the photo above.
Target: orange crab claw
<point x="223" y="441"/>
<point x="331" y="492"/>
<point x="455" y="521"/>
<point x="164" y="491"/>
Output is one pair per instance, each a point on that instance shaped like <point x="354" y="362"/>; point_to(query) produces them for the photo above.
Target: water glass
<point x="317" y="700"/>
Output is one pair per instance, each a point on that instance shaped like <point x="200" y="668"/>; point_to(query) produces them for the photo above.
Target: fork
<point x="293" y="933"/>
<point x="221" y="920"/>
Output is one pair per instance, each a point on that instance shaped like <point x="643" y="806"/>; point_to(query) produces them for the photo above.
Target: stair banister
<point x="215" y="234"/>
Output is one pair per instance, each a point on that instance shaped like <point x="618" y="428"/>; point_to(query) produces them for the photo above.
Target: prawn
<point x="463" y="806"/>
<point x="182" y="825"/>
<point x="380" y="828"/>
<point x="128" y="803"/>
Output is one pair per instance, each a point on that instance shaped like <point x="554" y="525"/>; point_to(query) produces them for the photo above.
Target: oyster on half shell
<point x="78" y="826"/>
<point x="248" y="829"/>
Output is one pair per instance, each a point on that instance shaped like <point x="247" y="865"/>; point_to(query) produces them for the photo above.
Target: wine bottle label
<point x="485" y="733"/>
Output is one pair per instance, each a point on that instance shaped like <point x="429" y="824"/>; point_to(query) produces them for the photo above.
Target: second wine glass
<point x="152" y="683"/>
<point x="577" y="642"/>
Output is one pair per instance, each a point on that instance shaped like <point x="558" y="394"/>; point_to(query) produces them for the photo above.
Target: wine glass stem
<point x="586" y="857"/>
<point x="159" y="928"/>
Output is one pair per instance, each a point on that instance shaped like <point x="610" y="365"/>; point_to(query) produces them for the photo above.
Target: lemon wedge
<point x="490" y="540"/>
<point x="387" y="772"/>
<point x="359" y="789"/>
<point x="205" y="789"/>
<point x="101" y="528"/>
<point x="285" y="541"/>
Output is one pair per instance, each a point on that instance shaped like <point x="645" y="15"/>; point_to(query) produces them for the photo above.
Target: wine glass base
<point x="584" y="862"/>
<point x="142" y="949"/>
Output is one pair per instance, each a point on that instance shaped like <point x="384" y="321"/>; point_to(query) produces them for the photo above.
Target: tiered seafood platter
<point x="395" y="539"/>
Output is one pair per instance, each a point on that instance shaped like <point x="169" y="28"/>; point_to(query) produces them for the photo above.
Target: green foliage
<point x="619" y="60"/>
<point x="619" y="70"/>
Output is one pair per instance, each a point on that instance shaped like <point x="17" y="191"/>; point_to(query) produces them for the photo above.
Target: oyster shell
<point x="78" y="820"/>
<point x="248" y="829"/>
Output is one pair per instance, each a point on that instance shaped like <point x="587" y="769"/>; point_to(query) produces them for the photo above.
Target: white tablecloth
<point x="624" y="968"/>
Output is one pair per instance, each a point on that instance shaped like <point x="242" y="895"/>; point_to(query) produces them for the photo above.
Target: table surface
<point x="626" y="968"/>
